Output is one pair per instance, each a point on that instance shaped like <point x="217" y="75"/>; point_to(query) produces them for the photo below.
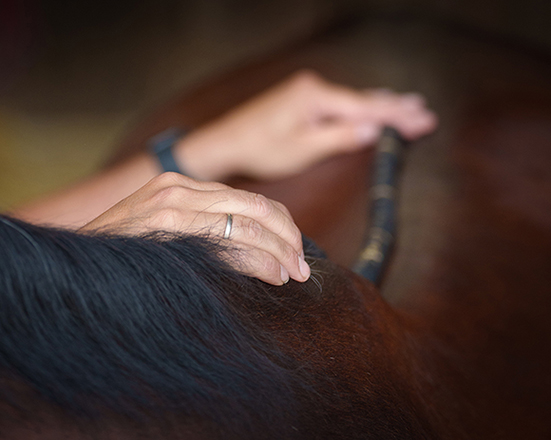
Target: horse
<point x="155" y="337"/>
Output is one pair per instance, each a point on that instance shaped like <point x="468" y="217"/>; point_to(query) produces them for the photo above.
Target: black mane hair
<point x="143" y="327"/>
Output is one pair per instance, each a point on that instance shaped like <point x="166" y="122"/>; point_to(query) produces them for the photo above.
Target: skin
<point x="280" y="132"/>
<point x="264" y="239"/>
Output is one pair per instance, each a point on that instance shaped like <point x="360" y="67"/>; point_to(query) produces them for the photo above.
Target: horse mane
<point x="159" y="334"/>
<point x="140" y="326"/>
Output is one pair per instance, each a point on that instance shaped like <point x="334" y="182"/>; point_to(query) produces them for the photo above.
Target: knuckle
<point x="270" y="266"/>
<point x="213" y="186"/>
<point x="296" y="238"/>
<point x="253" y="230"/>
<point x="167" y="179"/>
<point x="282" y="208"/>
<point x="262" y="206"/>
<point x="288" y="255"/>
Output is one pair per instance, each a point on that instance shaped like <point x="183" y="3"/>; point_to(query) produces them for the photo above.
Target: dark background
<point x="74" y="75"/>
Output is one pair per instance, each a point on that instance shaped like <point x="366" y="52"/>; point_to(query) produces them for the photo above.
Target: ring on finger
<point x="229" y="224"/>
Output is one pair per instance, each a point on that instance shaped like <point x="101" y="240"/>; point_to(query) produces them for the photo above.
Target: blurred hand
<point x="264" y="243"/>
<point x="297" y="123"/>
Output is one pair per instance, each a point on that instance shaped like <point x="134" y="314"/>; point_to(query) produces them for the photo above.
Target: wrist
<point x="205" y="155"/>
<point x="162" y="147"/>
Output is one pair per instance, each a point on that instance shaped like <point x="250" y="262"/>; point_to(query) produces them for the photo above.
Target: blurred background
<point x="78" y="76"/>
<point x="75" y="75"/>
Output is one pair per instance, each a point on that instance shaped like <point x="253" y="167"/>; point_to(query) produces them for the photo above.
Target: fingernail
<point x="367" y="133"/>
<point x="304" y="268"/>
<point x="284" y="275"/>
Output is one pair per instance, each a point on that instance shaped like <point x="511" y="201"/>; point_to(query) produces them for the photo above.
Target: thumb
<point x="340" y="136"/>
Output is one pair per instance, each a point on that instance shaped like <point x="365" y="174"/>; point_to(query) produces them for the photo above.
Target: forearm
<point x="281" y="132"/>
<point x="77" y="205"/>
<point x="199" y="154"/>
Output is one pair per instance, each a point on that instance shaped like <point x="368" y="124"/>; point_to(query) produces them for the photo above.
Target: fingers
<point x="368" y="110"/>
<point x="339" y="135"/>
<point x="256" y="263"/>
<point x="406" y="112"/>
<point x="264" y="229"/>
<point x="173" y="191"/>
<point x="253" y="235"/>
<point x="362" y="127"/>
<point x="264" y="238"/>
<point x="258" y="252"/>
<point x="254" y="249"/>
<point x="271" y="215"/>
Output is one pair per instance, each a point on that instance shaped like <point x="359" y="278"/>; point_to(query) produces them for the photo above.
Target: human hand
<point x="297" y="123"/>
<point x="264" y="241"/>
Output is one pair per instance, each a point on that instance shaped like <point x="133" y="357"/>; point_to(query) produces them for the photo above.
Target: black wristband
<point x="161" y="146"/>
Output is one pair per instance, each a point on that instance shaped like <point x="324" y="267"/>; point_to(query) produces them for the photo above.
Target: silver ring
<point x="229" y="224"/>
